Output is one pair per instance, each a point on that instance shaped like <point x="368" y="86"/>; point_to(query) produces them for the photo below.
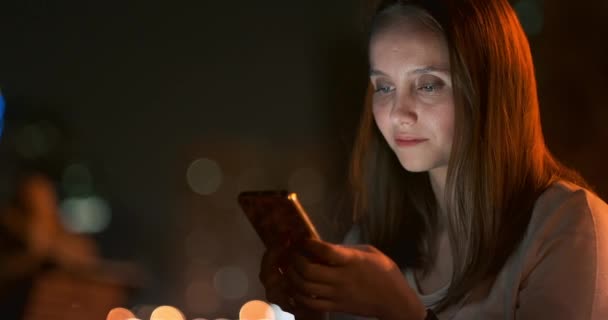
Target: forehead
<point x="407" y="41"/>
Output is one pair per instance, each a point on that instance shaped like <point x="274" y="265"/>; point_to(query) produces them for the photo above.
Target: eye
<point x="384" y="89"/>
<point x="430" y="88"/>
<point x="430" y="85"/>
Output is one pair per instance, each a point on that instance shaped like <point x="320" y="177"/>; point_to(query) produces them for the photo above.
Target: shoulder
<point x="565" y="256"/>
<point x="567" y="207"/>
<point x="567" y="225"/>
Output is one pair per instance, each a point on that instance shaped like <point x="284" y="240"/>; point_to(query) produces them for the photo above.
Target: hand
<point x="272" y="276"/>
<point x="75" y="252"/>
<point x="359" y="280"/>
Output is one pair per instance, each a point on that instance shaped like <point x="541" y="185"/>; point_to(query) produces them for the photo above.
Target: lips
<point x="408" y="141"/>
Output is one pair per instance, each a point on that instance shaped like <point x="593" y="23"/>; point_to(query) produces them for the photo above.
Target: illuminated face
<point x="413" y="103"/>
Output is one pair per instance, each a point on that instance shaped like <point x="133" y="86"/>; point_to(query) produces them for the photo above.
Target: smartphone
<point x="277" y="217"/>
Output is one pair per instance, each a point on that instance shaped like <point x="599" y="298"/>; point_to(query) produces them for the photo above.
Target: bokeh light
<point x="280" y="314"/>
<point x="77" y="180"/>
<point x="85" y="215"/>
<point x="120" y="314"/>
<point x="1" y="113"/>
<point x="309" y="184"/>
<point x="201" y="297"/>
<point x="204" y="176"/>
<point x="530" y="15"/>
<point x="167" y="313"/>
<point x="256" y="310"/>
<point x="231" y="282"/>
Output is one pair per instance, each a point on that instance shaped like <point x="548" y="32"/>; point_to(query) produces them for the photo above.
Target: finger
<point x="361" y="247"/>
<point x="314" y="272"/>
<point x="317" y="304"/>
<point x="325" y="252"/>
<point x="312" y="289"/>
<point x="269" y="265"/>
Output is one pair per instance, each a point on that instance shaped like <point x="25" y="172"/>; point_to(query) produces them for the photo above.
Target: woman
<point x="466" y="213"/>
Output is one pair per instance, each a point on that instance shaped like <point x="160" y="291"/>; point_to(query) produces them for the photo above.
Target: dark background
<point x="136" y="91"/>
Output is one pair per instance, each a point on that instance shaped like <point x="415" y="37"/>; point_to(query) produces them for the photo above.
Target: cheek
<point x="444" y="125"/>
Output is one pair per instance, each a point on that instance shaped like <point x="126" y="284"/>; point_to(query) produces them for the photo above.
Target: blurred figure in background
<point x="33" y="240"/>
<point x="48" y="270"/>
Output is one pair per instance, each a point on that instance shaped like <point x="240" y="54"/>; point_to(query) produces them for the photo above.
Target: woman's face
<point x="413" y="103"/>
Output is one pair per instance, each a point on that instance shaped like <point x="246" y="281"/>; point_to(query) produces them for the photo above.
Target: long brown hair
<point x="499" y="163"/>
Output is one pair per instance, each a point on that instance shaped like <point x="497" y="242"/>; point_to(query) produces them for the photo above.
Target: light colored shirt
<point x="559" y="271"/>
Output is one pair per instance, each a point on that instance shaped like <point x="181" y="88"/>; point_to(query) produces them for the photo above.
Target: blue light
<point x="1" y="113"/>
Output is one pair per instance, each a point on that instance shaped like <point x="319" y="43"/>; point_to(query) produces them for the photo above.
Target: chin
<point x="416" y="166"/>
<point x="416" y="169"/>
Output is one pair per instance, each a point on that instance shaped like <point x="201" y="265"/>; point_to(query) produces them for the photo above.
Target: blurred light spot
<point x="85" y="215"/>
<point x="77" y="180"/>
<point x="280" y="314"/>
<point x="201" y="297"/>
<point x="530" y="16"/>
<point x="308" y="184"/>
<point x="231" y="282"/>
<point x="167" y="313"/>
<point x="120" y="314"/>
<point x="204" y="176"/>
<point x="36" y="140"/>
<point x="252" y="179"/>
<point x="1" y="112"/>
<point x="256" y="309"/>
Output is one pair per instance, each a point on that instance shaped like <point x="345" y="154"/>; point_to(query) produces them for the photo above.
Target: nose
<point x="403" y="111"/>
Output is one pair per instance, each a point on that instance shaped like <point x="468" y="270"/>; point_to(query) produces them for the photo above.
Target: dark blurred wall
<point x="571" y="57"/>
<point x="266" y="89"/>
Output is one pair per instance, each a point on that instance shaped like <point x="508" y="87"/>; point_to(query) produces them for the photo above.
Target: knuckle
<point x="326" y="250"/>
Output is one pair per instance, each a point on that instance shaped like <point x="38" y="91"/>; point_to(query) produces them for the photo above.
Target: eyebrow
<point x="425" y="70"/>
